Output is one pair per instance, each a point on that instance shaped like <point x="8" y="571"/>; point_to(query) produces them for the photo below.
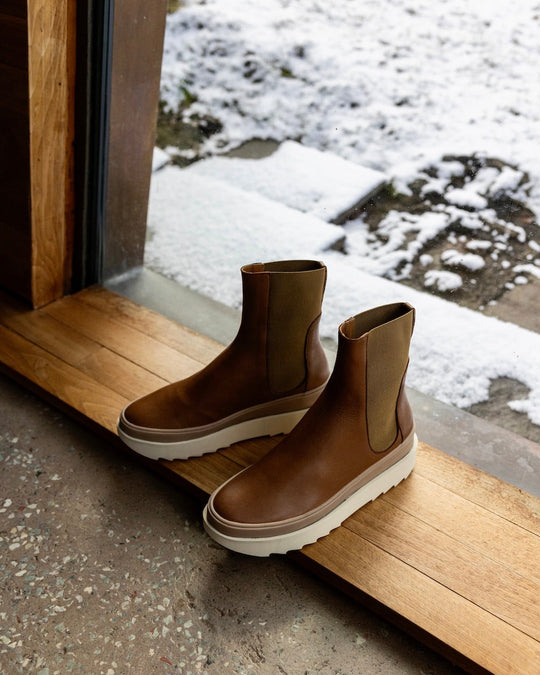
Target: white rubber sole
<point x="292" y="541"/>
<point x="270" y="425"/>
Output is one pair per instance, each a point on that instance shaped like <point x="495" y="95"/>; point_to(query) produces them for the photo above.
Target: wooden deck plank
<point x="494" y="645"/>
<point x="206" y="472"/>
<point x="483" y="489"/>
<point x="480" y="550"/>
<point x="182" y="339"/>
<point x="503" y="541"/>
<point x="452" y="562"/>
<point x="452" y="551"/>
<point x="138" y="347"/>
<point x="129" y="379"/>
<point x="60" y="380"/>
<point x="43" y="330"/>
<point x="251" y="451"/>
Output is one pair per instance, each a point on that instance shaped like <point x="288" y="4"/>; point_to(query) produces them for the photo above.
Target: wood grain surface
<point x="50" y="93"/>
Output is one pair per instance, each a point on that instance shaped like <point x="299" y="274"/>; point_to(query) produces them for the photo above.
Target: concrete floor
<point x="105" y="569"/>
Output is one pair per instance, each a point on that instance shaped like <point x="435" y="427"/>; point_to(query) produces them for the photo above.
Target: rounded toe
<point x="245" y="504"/>
<point x="163" y="409"/>
<point x="228" y="504"/>
<point x="139" y="413"/>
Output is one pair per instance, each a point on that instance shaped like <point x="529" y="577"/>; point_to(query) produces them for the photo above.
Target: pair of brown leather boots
<point x="349" y="438"/>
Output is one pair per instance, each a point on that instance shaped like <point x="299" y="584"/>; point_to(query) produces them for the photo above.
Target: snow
<point x="443" y="280"/>
<point x="478" y="244"/>
<point x="469" y="261"/>
<point x="508" y="179"/>
<point x="450" y="169"/>
<point x="159" y="159"/>
<point x="382" y="82"/>
<point x="387" y="258"/>
<point x="466" y="198"/>
<point x="455" y="352"/>
<point x="469" y="219"/>
<point x="521" y="234"/>
<point x="533" y="270"/>
<point x="393" y="85"/>
<point x="306" y="179"/>
<point x="202" y="241"/>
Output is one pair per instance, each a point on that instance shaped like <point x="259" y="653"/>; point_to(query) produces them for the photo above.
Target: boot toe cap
<point x="163" y="409"/>
<point x="249" y="503"/>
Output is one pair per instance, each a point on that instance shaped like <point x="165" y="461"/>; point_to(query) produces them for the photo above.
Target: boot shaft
<point x="372" y="359"/>
<point x="280" y="316"/>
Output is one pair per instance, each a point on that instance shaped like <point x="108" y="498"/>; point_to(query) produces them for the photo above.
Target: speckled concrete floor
<point x="104" y="568"/>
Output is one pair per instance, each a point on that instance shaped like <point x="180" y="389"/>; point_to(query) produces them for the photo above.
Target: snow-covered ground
<point x="381" y="82"/>
<point x="393" y="85"/>
<point x="468" y="238"/>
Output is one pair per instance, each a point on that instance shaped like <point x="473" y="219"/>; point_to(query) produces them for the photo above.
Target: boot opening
<point x="362" y="323"/>
<point x="293" y="266"/>
<point x="283" y="266"/>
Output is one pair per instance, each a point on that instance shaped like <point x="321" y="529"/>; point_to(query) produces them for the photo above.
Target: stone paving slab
<point x="319" y="183"/>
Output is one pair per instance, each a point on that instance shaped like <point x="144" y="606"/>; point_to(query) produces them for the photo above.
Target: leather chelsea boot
<point x="355" y="443"/>
<point x="262" y="384"/>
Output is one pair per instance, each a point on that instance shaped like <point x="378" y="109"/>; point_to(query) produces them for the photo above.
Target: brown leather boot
<point x="355" y="443"/>
<point x="262" y="384"/>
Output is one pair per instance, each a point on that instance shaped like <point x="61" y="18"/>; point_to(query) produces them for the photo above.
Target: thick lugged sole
<point x="270" y="425"/>
<point x="292" y="541"/>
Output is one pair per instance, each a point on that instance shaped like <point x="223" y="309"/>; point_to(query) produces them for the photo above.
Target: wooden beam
<point x="51" y="43"/>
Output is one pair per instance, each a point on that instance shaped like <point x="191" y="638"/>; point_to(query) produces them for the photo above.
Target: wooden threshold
<point x="452" y="554"/>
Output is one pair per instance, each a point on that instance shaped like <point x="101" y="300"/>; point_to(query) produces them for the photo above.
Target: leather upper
<point x="330" y="446"/>
<point x="276" y="352"/>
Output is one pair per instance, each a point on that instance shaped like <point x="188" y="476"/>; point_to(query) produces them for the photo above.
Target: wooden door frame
<point x="51" y="81"/>
<point x="81" y="105"/>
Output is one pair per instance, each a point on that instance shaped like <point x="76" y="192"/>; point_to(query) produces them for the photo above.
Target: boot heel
<point x="394" y="474"/>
